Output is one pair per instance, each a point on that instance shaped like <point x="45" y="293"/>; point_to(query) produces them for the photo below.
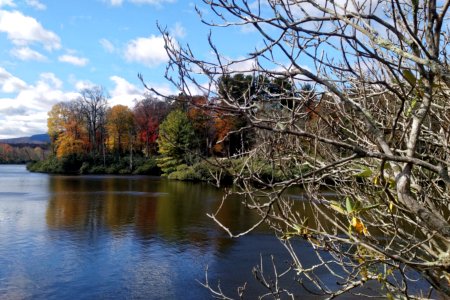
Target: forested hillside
<point x="22" y="153"/>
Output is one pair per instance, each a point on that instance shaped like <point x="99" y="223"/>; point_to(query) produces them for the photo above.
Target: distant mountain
<point x="37" y="139"/>
<point x="44" y="137"/>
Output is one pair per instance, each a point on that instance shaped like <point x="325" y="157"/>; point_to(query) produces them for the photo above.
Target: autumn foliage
<point x="179" y="130"/>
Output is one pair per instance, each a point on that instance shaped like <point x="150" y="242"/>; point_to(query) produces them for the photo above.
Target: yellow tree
<point x="55" y="121"/>
<point x="120" y="126"/>
<point x="65" y="128"/>
<point x="67" y="145"/>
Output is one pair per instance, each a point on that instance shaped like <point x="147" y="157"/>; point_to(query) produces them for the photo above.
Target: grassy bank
<point x="81" y="165"/>
<point x="215" y="171"/>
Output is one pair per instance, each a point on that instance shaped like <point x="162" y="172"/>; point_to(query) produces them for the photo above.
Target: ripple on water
<point x="127" y="193"/>
<point x="14" y="194"/>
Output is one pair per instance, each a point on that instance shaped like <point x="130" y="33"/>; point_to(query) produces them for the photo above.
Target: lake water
<point x="121" y="237"/>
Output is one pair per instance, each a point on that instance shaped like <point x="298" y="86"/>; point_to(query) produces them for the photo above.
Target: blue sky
<point x="49" y="50"/>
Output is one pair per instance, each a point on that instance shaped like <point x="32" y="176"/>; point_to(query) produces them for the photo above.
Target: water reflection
<point x="145" y="207"/>
<point x="114" y="237"/>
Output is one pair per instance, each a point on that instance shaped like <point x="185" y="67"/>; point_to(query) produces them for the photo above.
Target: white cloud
<point x="7" y="3"/>
<point x="74" y="60"/>
<point x="10" y="83"/>
<point x="50" y="80"/>
<point x="26" y="54"/>
<point x="248" y="28"/>
<point x="241" y="65"/>
<point x="115" y="2"/>
<point x="178" y="31"/>
<point x="23" y="30"/>
<point x="150" y="2"/>
<point x="148" y="51"/>
<point x="107" y="45"/>
<point x="36" y="4"/>
<point x="27" y="110"/>
<point x="83" y="84"/>
<point x="124" y="92"/>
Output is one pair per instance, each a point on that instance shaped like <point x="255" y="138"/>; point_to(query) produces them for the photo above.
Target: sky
<point x="50" y="50"/>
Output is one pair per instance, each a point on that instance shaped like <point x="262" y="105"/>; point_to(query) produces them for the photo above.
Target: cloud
<point x="28" y="108"/>
<point x="147" y="51"/>
<point x="152" y="2"/>
<point x="27" y="54"/>
<point x="115" y="2"/>
<point x="23" y="30"/>
<point x="149" y="2"/>
<point x="7" y="3"/>
<point x="248" y="28"/>
<point x="74" y="60"/>
<point x="10" y="83"/>
<point x="19" y="110"/>
<point x="50" y="80"/>
<point x="178" y="31"/>
<point x="83" y="84"/>
<point x="124" y="92"/>
<point x="241" y="64"/>
<point x="36" y="4"/>
<point x="107" y="45"/>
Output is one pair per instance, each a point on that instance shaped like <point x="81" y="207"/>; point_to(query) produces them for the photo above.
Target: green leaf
<point x="356" y="206"/>
<point x="337" y="207"/>
<point x="410" y="109"/>
<point x="409" y="76"/>
<point x="349" y="205"/>
<point x="365" y="172"/>
<point x="392" y="183"/>
<point x="368" y="207"/>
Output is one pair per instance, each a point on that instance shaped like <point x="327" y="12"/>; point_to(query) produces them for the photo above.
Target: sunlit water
<point x="117" y="237"/>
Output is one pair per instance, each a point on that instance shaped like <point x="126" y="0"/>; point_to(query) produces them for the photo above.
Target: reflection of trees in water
<point x="171" y="210"/>
<point x="68" y="207"/>
<point x="119" y="207"/>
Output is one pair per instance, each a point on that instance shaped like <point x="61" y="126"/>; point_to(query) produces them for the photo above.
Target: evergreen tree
<point x="176" y="141"/>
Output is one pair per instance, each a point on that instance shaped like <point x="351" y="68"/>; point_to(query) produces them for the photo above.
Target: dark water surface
<point x="119" y="237"/>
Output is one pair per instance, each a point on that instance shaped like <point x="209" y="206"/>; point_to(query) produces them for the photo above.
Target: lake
<point x="122" y="237"/>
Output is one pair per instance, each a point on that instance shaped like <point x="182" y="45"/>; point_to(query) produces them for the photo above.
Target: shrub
<point x="85" y="168"/>
<point x="97" y="170"/>
<point x="185" y="173"/>
<point x="147" y="166"/>
<point x="51" y="165"/>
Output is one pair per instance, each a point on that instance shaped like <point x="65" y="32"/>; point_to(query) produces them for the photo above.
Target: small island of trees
<point x="182" y="137"/>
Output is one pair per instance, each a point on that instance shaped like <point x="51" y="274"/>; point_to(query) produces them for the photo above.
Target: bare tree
<point x="373" y="130"/>
<point x="93" y="106"/>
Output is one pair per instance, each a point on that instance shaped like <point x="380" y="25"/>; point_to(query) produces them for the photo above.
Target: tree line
<point x="177" y="130"/>
<point x="177" y="136"/>
<point x="22" y="153"/>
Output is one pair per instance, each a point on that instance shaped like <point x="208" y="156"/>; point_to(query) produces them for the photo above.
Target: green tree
<point x="238" y="87"/>
<point x="176" y="139"/>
